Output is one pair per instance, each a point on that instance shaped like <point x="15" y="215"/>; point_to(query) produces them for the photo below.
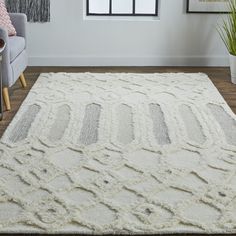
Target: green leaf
<point x="227" y="29"/>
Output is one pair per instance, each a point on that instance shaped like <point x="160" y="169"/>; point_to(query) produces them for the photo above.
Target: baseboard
<point x="128" y="61"/>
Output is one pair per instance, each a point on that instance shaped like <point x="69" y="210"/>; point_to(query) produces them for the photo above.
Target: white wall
<point x="177" y="38"/>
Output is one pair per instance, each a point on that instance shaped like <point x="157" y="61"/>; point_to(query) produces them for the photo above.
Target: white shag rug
<point x="121" y="154"/>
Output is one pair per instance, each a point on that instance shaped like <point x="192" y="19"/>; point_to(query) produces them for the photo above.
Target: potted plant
<point x="227" y="32"/>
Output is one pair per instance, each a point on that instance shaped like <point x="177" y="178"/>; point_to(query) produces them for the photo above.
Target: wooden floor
<point x="219" y="76"/>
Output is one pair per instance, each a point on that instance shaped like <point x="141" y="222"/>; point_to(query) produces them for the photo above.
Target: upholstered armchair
<point x="14" y="60"/>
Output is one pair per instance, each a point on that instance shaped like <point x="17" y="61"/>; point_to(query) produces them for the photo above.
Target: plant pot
<point x="232" y="59"/>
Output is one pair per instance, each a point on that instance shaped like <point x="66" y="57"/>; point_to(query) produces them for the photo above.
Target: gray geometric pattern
<point x="120" y="153"/>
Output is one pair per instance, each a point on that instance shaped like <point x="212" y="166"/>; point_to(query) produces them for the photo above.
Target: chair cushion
<point x="5" y="20"/>
<point x="16" y="46"/>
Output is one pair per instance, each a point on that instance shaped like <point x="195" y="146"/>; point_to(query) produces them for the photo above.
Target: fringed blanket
<point x="36" y="10"/>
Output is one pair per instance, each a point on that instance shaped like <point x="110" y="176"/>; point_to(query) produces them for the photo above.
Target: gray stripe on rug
<point x="22" y="127"/>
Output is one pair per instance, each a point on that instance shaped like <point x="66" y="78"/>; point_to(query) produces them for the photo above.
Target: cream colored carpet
<point x="120" y="153"/>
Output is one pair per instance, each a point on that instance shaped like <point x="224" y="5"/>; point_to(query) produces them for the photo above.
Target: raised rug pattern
<point x="120" y="153"/>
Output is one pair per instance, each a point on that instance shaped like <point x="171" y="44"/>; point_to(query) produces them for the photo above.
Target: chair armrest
<point x="19" y="20"/>
<point x="4" y="36"/>
<point x="5" y="56"/>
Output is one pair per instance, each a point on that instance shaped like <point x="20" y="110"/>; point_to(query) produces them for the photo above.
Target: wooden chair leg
<point x="22" y="80"/>
<point x="6" y="99"/>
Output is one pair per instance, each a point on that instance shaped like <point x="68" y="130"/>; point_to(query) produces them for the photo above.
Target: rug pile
<point x="122" y="154"/>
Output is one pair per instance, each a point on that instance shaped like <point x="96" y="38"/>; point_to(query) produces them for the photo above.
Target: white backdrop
<point x="177" y="38"/>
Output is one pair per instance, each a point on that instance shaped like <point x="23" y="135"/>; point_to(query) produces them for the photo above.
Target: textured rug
<point x="122" y="154"/>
